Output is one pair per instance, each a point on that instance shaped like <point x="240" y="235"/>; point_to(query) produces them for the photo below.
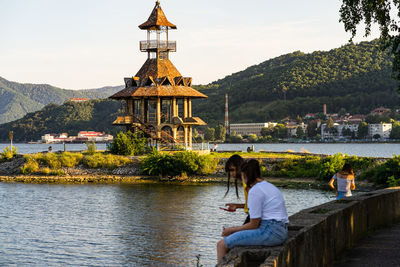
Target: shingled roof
<point x="158" y="91"/>
<point x="156" y="20"/>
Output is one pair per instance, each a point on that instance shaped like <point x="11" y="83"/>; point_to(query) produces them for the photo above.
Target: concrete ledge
<point x="319" y="234"/>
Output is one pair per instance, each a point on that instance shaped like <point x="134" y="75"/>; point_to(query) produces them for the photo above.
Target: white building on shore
<point x="83" y="136"/>
<point x="381" y="129"/>
<point x="250" y="128"/>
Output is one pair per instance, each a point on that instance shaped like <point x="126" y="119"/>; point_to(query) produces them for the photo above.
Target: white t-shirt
<point x="344" y="183"/>
<point x="266" y="202"/>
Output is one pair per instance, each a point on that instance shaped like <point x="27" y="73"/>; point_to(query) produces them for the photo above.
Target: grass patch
<point x="107" y="161"/>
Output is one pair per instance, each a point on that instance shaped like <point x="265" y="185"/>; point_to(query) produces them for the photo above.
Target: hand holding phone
<point x="222" y="208"/>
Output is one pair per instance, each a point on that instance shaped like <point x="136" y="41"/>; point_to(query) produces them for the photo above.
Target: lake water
<point x="364" y="149"/>
<point x="120" y="225"/>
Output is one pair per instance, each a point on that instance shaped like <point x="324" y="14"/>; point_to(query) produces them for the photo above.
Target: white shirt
<point x="266" y="202"/>
<point x="344" y="183"/>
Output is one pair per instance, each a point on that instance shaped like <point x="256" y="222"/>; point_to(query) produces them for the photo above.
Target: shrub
<point x="324" y="168"/>
<point x="128" y="144"/>
<point x="388" y="172"/>
<point x="91" y="148"/>
<point x="331" y="165"/>
<point x="30" y="167"/>
<point x="8" y="153"/>
<point x="180" y="163"/>
<point x="105" y="161"/>
<point x="44" y="170"/>
<point x="69" y="159"/>
<point x="207" y="165"/>
<point x="51" y="160"/>
<point x="295" y="168"/>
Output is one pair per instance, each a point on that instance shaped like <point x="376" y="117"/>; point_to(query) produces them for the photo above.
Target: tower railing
<point x="154" y="44"/>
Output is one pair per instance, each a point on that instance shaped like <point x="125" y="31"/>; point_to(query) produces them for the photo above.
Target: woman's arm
<point x="331" y="183"/>
<point x="234" y="206"/>
<point x="353" y="185"/>
<point x="253" y="224"/>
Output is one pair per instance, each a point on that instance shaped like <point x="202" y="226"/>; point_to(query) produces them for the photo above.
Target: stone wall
<point x="319" y="234"/>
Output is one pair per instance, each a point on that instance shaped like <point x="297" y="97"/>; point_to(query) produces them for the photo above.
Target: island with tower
<point x="158" y="99"/>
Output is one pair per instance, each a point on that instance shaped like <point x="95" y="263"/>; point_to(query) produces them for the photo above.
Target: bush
<point x="91" y="148"/>
<point x="128" y="144"/>
<point x="51" y="160"/>
<point x="324" y="168"/>
<point x="105" y="161"/>
<point x="178" y="164"/>
<point x="295" y="168"/>
<point x="388" y="173"/>
<point x="8" y="153"/>
<point x="207" y="165"/>
<point x="69" y="159"/>
<point x="30" y="167"/>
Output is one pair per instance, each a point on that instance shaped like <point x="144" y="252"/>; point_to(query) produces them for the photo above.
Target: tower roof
<point x="156" y="20"/>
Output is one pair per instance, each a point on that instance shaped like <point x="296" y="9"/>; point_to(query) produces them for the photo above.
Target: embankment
<point x="318" y="235"/>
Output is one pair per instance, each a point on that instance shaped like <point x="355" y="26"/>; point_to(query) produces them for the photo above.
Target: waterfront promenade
<point x="319" y="236"/>
<point x="381" y="248"/>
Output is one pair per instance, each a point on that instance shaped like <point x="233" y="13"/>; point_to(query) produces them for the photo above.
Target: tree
<point x="376" y="136"/>
<point x="342" y="112"/>
<point x="267" y="131"/>
<point x="220" y="132"/>
<point x="128" y="144"/>
<point x="299" y="132"/>
<point x="330" y="124"/>
<point x="362" y="130"/>
<point x="354" y="12"/>
<point x="312" y="129"/>
<point x="209" y="134"/>
<point x="395" y="133"/>
<point x="252" y="138"/>
<point x="347" y="132"/>
<point x="280" y="131"/>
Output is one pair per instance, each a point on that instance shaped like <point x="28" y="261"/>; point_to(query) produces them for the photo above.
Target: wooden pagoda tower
<point x="158" y="100"/>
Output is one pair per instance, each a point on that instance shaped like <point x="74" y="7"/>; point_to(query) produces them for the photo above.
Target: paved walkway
<point x="381" y="249"/>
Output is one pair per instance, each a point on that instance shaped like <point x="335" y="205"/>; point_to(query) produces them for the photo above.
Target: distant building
<point x="381" y="111"/>
<point x="356" y="118"/>
<point x="381" y="129"/>
<point x="309" y="116"/>
<point x="56" y="138"/>
<point x="78" y="99"/>
<point x="94" y="136"/>
<point x="83" y="136"/>
<point x="337" y="131"/>
<point x="250" y="128"/>
<point x="292" y="128"/>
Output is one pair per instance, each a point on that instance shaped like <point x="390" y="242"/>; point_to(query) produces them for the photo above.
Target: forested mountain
<point x="70" y="117"/>
<point x="17" y="99"/>
<point x="356" y="77"/>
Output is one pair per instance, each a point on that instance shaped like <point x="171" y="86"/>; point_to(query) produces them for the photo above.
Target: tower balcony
<point x="154" y="45"/>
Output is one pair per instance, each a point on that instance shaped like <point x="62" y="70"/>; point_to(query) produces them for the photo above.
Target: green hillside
<point x="70" y="117"/>
<point x="354" y="77"/>
<point x="17" y="99"/>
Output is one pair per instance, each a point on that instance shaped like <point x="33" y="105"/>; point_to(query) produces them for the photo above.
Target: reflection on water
<point x="113" y="225"/>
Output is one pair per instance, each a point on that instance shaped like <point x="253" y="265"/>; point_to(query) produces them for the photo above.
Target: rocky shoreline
<point x="10" y="171"/>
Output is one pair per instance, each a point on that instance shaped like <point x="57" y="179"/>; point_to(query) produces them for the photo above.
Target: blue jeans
<point x="269" y="233"/>
<point x="342" y="195"/>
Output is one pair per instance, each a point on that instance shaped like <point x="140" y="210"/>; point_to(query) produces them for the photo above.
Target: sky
<point x="83" y="44"/>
